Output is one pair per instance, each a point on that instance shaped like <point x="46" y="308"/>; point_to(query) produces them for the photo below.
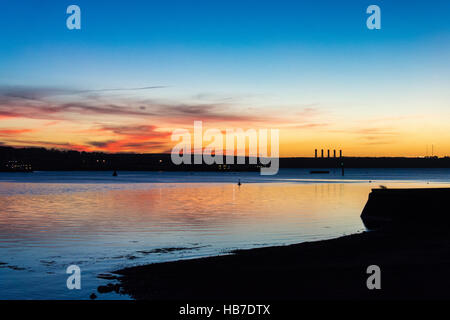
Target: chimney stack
<point x="315" y="153"/>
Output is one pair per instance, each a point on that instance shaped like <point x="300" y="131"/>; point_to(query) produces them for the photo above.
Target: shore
<point x="414" y="264"/>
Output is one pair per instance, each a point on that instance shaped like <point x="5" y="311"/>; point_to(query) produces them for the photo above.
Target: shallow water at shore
<point x="50" y="220"/>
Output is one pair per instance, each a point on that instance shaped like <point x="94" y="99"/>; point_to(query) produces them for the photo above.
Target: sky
<point x="137" y="70"/>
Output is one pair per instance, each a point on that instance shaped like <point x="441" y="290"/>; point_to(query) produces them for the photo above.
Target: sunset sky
<point x="137" y="70"/>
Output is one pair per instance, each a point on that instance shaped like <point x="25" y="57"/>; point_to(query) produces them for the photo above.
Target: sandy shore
<point x="414" y="265"/>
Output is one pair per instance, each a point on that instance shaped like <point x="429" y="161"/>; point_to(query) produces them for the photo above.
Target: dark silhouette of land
<point x="411" y="247"/>
<point x="29" y="159"/>
<point x="414" y="264"/>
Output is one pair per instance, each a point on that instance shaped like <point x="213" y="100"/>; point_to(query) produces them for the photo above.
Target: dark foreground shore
<point x="414" y="262"/>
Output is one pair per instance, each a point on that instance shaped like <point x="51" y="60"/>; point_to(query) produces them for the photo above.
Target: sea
<point x="100" y="223"/>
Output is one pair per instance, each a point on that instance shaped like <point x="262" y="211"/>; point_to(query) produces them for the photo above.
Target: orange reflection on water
<point x="284" y="210"/>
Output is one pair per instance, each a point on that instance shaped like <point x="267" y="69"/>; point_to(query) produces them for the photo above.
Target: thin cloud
<point x="308" y="125"/>
<point x="136" y="130"/>
<point x="372" y="135"/>
<point x="124" y="89"/>
<point x="102" y="116"/>
<point x="41" y="104"/>
<point x="47" y="144"/>
<point x="14" y="132"/>
<point x="132" y="137"/>
<point x="37" y="93"/>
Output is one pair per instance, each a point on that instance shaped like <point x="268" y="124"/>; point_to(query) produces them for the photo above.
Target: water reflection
<point x="162" y="208"/>
<point x="44" y="227"/>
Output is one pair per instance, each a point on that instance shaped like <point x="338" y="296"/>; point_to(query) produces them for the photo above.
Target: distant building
<point x="14" y="165"/>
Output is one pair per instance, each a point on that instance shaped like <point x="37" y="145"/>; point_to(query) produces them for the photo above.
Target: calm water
<point x="50" y="220"/>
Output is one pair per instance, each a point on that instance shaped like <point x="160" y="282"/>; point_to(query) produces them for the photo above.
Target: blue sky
<point x="279" y="56"/>
<point x="231" y="36"/>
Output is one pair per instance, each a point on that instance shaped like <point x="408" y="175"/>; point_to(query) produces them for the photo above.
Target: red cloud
<point x="132" y="138"/>
<point x="12" y="132"/>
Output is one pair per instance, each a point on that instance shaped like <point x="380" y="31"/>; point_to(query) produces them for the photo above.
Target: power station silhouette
<point x="328" y="153"/>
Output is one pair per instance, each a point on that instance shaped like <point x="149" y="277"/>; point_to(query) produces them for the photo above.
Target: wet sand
<point x="414" y="265"/>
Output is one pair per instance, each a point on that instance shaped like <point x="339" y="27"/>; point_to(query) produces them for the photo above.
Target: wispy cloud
<point x="131" y="137"/>
<point x="47" y="144"/>
<point x="124" y="89"/>
<point x="311" y="125"/>
<point x="372" y="135"/>
<point x="47" y="103"/>
<point x="36" y="93"/>
<point x="129" y="122"/>
<point x="14" y="132"/>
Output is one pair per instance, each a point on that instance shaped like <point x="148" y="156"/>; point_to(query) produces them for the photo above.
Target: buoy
<point x="239" y="182"/>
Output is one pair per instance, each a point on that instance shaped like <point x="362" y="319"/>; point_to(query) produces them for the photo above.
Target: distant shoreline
<point x="426" y="177"/>
<point x="41" y="159"/>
